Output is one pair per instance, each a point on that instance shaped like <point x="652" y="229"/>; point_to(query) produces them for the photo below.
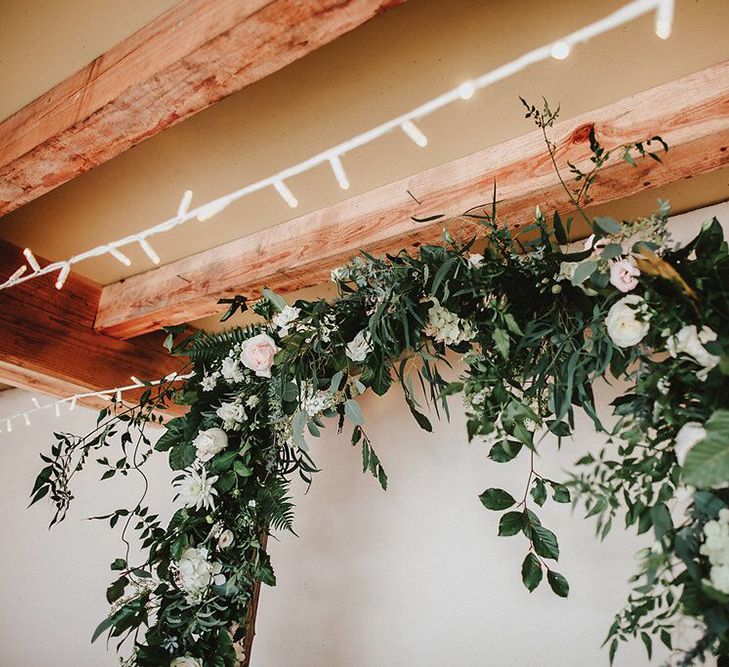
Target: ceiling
<point x="369" y="75"/>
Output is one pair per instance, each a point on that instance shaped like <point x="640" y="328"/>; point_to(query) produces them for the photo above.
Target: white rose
<point x="624" y="274"/>
<point x="690" y="341"/>
<point x="688" y="435"/>
<point x="186" y="661"/>
<point x="231" y="412"/>
<point x="209" y="442"/>
<point x="226" y="539"/>
<point x="360" y="347"/>
<point x="624" y="327"/>
<point x="257" y="353"/>
<point x="476" y="260"/>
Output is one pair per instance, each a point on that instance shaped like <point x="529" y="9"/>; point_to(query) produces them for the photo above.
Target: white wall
<point x="413" y="576"/>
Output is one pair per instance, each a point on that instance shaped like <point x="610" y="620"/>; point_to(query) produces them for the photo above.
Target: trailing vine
<point x="535" y="323"/>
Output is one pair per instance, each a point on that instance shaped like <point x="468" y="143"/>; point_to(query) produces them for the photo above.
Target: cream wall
<point x="413" y="576"/>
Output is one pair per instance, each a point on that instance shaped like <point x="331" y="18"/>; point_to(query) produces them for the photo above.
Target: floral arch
<point x="536" y="323"/>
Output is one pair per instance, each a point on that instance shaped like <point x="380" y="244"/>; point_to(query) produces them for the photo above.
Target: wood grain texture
<point x="692" y="114"/>
<point x="47" y="341"/>
<point x="182" y="62"/>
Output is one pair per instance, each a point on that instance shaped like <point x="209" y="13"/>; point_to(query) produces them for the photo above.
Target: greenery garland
<point x="534" y="329"/>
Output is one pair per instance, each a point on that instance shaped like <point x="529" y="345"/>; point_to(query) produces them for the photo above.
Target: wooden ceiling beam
<point x="691" y="114"/>
<point x="182" y="62"/>
<point x="48" y="344"/>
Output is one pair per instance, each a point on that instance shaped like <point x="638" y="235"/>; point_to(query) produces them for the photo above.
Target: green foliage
<point x="529" y="320"/>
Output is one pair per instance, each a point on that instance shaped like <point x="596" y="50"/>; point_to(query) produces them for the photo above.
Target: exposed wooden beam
<point x="47" y="341"/>
<point x="691" y="114"/>
<point x="182" y="62"/>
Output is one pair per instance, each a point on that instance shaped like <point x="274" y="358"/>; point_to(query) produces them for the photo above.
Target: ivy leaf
<point x="497" y="499"/>
<point x="511" y="523"/>
<point x="116" y="590"/>
<point x="539" y="492"/>
<point x="545" y="542"/>
<point x="504" y="451"/>
<point x="558" y="583"/>
<point x="707" y="463"/>
<point x="560" y="493"/>
<point x="118" y="564"/>
<point x="531" y="572"/>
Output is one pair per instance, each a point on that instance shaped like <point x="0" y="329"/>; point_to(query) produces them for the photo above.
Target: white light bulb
<point x="31" y="260"/>
<point x="339" y="173"/>
<point x="18" y="273"/>
<point x="8" y="426"/>
<point x="27" y="418"/>
<point x="560" y="50"/>
<point x="57" y="409"/>
<point x="120" y="256"/>
<point x="466" y="90"/>
<point x="414" y="132"/>
<point x="184" y="203"/>
<point x="62" y="275"/>
<point x="286" y="194"/>
<point x="149" y="250"/>
<point x="664" y="19"/>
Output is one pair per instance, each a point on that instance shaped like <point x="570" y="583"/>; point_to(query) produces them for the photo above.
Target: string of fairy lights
<point x="333" y="156"/>
<point x="407" y="123"/>
<point x="116" y="394"/>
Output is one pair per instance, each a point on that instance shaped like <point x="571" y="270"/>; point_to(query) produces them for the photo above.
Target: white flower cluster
<point x="474" y="401"/>
<point x="209" y="381"/>
<point x="195" y="573"/>
<point x="315" y="402"/>
<point x="327" y="327"/>
<point x="690" y="341"/>
<point x="446" y="327"/>
<point x="285" y="321"/>
<point x="359" y="347"/>
<point x="716" y="548"/>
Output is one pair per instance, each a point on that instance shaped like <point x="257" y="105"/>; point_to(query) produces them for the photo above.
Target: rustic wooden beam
<point x="48" y="344"/>
<point x="691" y="114"/>
<point x="182" y="62"/>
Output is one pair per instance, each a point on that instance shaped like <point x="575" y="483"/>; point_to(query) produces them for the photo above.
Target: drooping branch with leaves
<point x="535" y="324"/>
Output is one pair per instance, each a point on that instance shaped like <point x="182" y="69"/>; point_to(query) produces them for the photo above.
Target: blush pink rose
<point x="624" y="275"/>
<point x="257" y="353"/>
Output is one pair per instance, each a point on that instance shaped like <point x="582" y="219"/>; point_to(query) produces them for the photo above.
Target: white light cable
<point x="557" y="49"/>
<point x="72" y="400"/>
